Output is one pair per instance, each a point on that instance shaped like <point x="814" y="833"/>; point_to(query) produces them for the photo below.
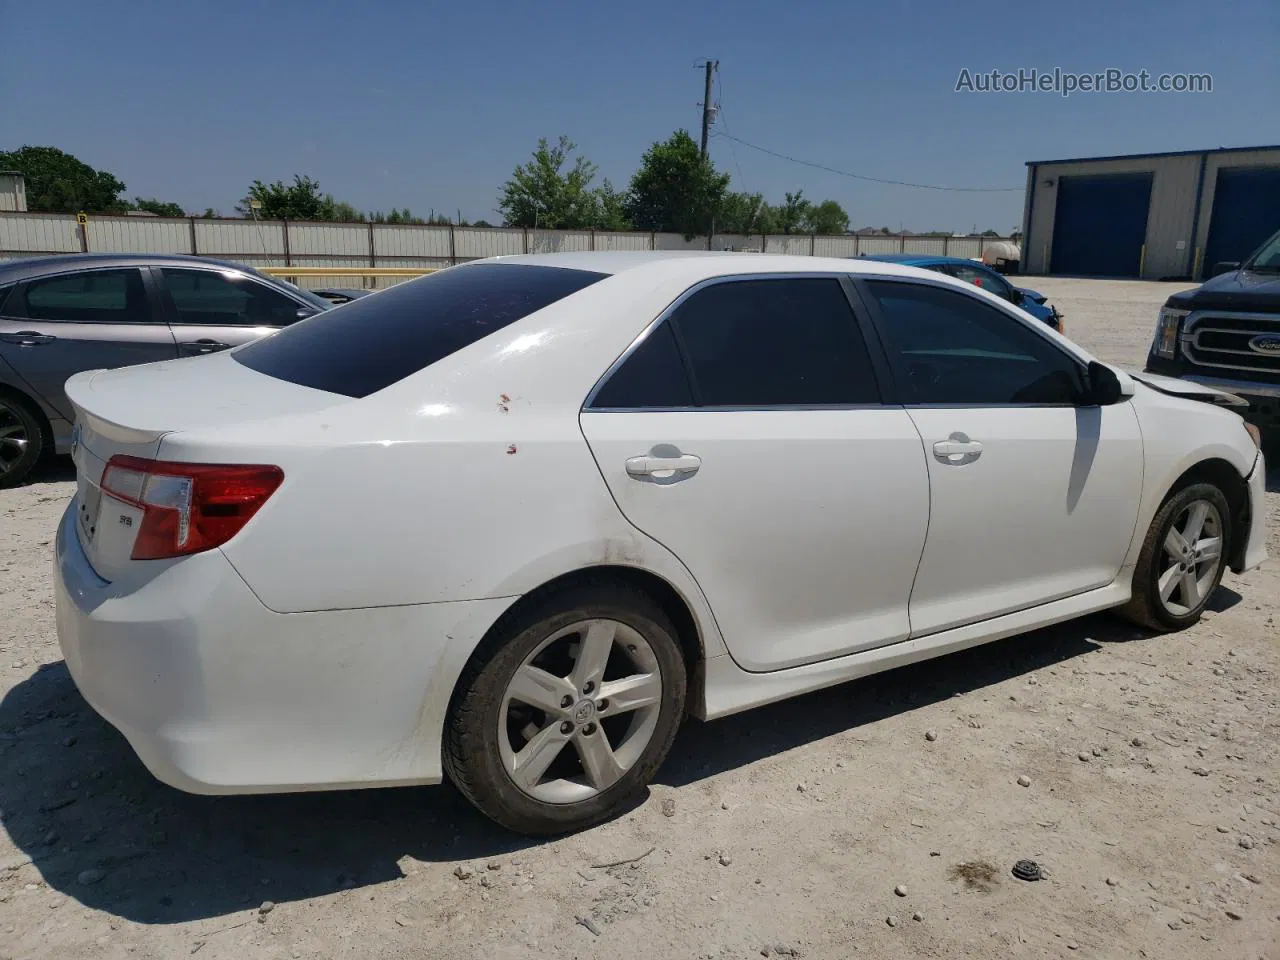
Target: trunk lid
<point x="131" y="410"/>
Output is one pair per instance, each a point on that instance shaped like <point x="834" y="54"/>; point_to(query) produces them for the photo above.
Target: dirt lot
<point x="1153" y="804"/>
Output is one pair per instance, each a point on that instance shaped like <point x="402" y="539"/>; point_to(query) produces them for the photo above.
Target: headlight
<point x="1167" y="331"/>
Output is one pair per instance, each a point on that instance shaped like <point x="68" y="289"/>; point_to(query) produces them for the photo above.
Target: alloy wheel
<point x="1190" y="558"/>
<point x="13" y="439"/>
<point x="579" y="712"/>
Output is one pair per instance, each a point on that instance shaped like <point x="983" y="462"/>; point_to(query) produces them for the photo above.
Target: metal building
<point x="13" y="191"/>
<point x="1151" y="215"/>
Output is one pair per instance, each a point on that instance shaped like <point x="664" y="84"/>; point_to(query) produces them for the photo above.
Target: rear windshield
<point x="368" y="344"/>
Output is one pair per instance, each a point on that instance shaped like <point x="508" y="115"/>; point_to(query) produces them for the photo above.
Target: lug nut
<point x="566" y="702"/>
<point x="566" y="728"/>
<point x="602" y="705"/>
<point x="587" y="688"/>
<point x="589" y="729"/>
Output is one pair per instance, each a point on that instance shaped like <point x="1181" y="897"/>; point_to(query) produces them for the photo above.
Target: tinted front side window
<point x="786" y="342"/>
<point x="373" y="342"/>
<point x="97" y="296"/>
<point x="226" y="300"/>
<point x="952" y="348"/>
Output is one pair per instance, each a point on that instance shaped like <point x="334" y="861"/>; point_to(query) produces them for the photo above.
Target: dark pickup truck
<point x="1226" y="333"/>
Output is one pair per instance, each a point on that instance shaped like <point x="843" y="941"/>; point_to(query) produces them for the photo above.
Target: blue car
<point x="975" y="272"/>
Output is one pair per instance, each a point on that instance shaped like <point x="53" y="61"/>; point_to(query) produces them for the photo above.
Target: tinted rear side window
<point x="373" y="342"/>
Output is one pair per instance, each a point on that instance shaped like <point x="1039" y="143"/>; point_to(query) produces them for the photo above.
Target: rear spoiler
<point x="1189" y="389"/>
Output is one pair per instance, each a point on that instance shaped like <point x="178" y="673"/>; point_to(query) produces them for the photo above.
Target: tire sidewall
<point x="491" y="786"/>
<point x="1165" y="520"/>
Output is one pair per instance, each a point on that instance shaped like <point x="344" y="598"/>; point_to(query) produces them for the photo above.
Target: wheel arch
<point x="1223" y="475"/>
<point x="689" y="633"/>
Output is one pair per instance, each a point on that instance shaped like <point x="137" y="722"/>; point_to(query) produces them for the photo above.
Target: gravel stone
<point x="1024" y="781"/>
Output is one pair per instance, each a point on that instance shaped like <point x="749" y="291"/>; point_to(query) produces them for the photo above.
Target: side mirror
<point x="1224" y="266"/>
<point x="1103" y="388"/>
<point x="304" y="312"/>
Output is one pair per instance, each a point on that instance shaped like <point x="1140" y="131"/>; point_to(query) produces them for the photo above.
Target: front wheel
<point x="567" y="713"/>
<point x="1182" y="559"/>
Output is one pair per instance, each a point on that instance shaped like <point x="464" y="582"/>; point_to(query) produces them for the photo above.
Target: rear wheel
<point x="568" y="712"/>
<point x="1183" y="559"/>
<point x="21" y="440"/>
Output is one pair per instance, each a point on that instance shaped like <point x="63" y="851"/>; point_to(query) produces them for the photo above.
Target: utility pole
<point x="707" y="110"/>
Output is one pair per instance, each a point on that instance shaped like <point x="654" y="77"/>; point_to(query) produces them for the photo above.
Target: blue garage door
<point x="1246" y="210"/>
<point x="1100" y="224"/>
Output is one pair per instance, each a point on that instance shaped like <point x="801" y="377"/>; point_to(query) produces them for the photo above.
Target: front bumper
<point x="1255" y="548"/>
<point x="217" y="694"/>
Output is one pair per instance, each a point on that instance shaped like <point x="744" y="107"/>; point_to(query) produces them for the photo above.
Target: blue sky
<point x="431" y="105"/>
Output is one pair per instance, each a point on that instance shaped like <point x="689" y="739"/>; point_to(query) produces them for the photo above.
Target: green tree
<point x="482" y="223"/>
<point x="159" y="207"/>
<point x="676" y="188"/>
<point x="827" y="218"/>
<point x="793" y="215"/>
<point x="541" y="194"/>
<point x="209" y="214"/>
<point x="57" y="182"/>
<point x="300" y="200"/>
<point x="340" y="211"/>
<point x="744" y="213"/>
<point x="610" y="209"/>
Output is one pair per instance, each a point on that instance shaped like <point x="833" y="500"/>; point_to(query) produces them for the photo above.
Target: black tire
<point x="472" y="757"/>
<point x="21" y="439"/>
<point x="1146" y="608"/>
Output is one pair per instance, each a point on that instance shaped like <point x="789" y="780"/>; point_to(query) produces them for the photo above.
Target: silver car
<point x="61" y="315"/>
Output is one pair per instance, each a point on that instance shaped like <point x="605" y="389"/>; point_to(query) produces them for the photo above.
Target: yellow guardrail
<point x="347" y="271"/>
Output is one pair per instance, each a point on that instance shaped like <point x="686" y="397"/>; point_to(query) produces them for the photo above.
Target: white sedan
<point x="511" y="523"/>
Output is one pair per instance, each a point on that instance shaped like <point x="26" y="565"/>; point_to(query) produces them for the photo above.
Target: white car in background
<point x="512" y="522"/>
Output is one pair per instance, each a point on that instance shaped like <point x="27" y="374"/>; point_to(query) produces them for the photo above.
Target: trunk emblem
<point x="1265" y="344"/>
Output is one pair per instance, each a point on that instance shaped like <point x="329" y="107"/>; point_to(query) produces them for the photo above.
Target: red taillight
<point x="188" y="507"/>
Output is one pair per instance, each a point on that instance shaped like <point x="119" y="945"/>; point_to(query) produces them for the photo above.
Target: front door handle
<point x="28" y="338"/>
<point x="202" y="346"/>
<point x="957" y="450"/>
<point x="663" y="468"/>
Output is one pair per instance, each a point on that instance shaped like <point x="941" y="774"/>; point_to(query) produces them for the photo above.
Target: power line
<point x="858" y="176"/>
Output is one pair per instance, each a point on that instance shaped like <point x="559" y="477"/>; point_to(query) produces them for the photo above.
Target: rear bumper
<point x="217" y="694"/>
<point x="1255" y="548"/>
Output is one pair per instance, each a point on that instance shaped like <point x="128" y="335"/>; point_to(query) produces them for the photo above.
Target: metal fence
<point x="277" y="243"/>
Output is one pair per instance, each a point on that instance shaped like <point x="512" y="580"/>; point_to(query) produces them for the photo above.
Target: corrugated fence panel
<point x="38" y="233"/>
<point x="879" y="244"/>
<point x="835" y="246"/>
<point x="559" y="241"/>
<point x="473" y="243"/>
<point x="796" y="246"/>
<point x="329" y="239"/>
<point x="964" y="247"/>
<point x="936" y="246"/>
<point x="734" y="241"/>
<point x="410" y="241"/>
<point x="138" y="235"/>
<point x="622" y="241"/>
<point x="231" y="239"/>
<point x="674" y="241"/>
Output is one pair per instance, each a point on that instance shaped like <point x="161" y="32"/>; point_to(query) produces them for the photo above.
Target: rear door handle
<point x="202" y="346"/>
<point x="28" y="338"/>
<point x="663" y="468"/>
<point x="957" y="450"/>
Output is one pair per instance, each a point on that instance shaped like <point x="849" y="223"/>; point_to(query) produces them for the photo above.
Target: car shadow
<point x="95" y="824"/>
<point x="53" y="470"/>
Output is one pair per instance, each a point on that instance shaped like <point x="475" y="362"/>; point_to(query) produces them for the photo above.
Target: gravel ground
<point x="878" y="819"/>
